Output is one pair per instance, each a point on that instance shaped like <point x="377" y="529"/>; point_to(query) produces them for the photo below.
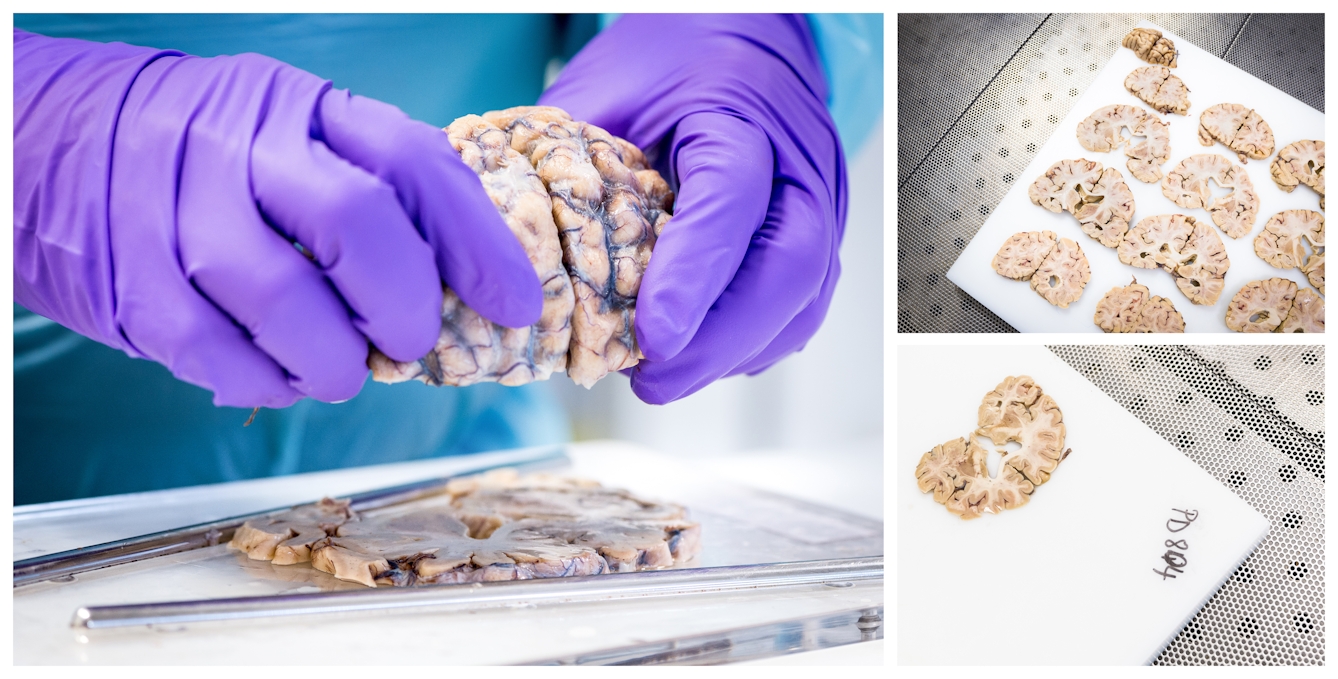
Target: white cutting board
<point x="1068" y="578"/>
<point x="1210" y="81"/>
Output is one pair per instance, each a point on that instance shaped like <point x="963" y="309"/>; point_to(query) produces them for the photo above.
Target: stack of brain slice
<point x="588" y="209"/>
<point x="1016" y="411"/>
<point x="1058" y="269"/>
<point x="501" y="526"/>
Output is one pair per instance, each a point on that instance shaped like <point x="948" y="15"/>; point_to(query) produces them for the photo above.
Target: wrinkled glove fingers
<point x="781" y="275"/>
<point x="476" y="254"/>
<point x="260" y="280"/>
<point x="358" y="234"/>
<point x="724" y="167"/>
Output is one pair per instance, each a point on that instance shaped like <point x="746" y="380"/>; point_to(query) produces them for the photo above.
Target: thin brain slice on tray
<point x="1242" y="129"/>
<point x="1096" y="196"/>
<point x="1101" y="132"/>
<point x="1057" y="268"/>
<point x="1150" y="46"/>
<point x="497" y="526"/>
<point x="587" y="209"/>
<point x="1159" y="88"/>
<point x="1187" y="186"/>
<point x="1275" y="305"/>
<point x="1282" y="241"/>
<point x="1134" y="309"/>
<point x="1189" y="250"/>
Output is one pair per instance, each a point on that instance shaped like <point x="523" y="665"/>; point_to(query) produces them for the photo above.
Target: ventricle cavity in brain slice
<point x="588" y="209"/>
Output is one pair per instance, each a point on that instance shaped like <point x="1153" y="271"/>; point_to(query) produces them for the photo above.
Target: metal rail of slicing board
<point x="72" y="562"/>
<point x="585" y="589"/>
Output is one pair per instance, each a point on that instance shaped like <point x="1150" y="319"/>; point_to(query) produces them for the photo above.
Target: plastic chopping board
<point x="1074" y="577"/>
<point x="1210" y="81"/>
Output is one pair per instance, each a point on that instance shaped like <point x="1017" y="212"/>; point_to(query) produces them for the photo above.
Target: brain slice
<point x="1097" y="197"/>
<point x="1306" y="314"/>
<point x="1242" y="129"/>
<point x="1134" y="308"/>
<point x="1151" y="47"/>
<point x="1101" y="132"/>
<point x="1187" y="186"/>
<point x="1300" y="162"/>
<point x="1261" y="306"/>
<point x="1023" y="253"/>
<point x="1017" y="410"/>
<point x="1191" y="251"/>
<point x="1058" y="269"/>
<point x="1159" y="88"/>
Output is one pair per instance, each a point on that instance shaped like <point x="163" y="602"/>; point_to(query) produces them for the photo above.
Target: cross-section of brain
<point x="1306" y="314"/>
<point x="1097" y="197"/>
<point x="1151" y="47"/>
<point x="1242" y="129"/>
<point x="1187" y="186"/>
<point x="1261" y="306"/>
<point x="1057" y="268"/>
<point x="1133" y="308"/>
<point x="587" y="209"/>
<point x="1189" y="250"/>
<point x="1101" y="131"/>
<point x="1016" y="411"/>
<point x="1282" y="243"/>
<point x="499" y="526"/>
<point x="1300" y="162"/>
<point x="1159" y="88"/>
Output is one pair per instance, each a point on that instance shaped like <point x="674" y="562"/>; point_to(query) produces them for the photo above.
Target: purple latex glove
<point x="744" y="273"/>
<point x="158" y="197"/>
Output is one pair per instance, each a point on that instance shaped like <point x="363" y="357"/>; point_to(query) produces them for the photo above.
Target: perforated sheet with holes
<point x="969" y="121"/>
<point x="1253" y="417"/>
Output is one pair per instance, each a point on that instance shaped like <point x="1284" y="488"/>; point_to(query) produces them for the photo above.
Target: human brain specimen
<point x="1151" y="47"/>
<point x="587" y="209"/>
<point x="1133" y="308"/>
<point x="1261" y="306"/>
<point x="1282" y="243"/>
<point x="1306" y="314"/>
<point x="499" y="526"/>
<point x="1300" y="162"/>
<point x="1159" y="88"/>
<point x="1096" y="196"/>
<point x="1242" y="129"/>
<point x="1189" y="250"/>
<point x="1057" y="268"/>
<point x="1016" y="411"/>
<point x="1101" y="131"/>
<point x="1187" y="186"/>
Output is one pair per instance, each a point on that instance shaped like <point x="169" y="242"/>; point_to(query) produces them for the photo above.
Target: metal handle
<point x="69" y="563"/>
<point x="591" y="588"/>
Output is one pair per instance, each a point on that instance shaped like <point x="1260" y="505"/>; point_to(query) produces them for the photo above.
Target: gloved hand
<point x="158" y="198"/>
<point x="744" y="272"/>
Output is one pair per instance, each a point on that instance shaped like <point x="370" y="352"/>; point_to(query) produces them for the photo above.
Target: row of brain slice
<point x="1134" y="309"/>
<point x="1057" y="268"/>
<point x="1275" y="305"/>
<point x="587" y="209"/>
<point x="501" y="526"/>
<point x="1016" y="411"/>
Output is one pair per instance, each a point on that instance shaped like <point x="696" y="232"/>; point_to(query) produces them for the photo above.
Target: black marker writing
<point x="1174" y="557"/>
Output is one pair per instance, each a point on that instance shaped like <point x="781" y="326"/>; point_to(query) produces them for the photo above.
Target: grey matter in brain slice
<point x="1300" y="162"/>
<point x="1101" y="131"/>
<point x="1187" y="186"/>
<point x="1189" y="250"/>
<point x="1133" y="308"/>
<point x="1306" y="314"/>
<point x="609" y="207"/>
<point x="1057" y="268"/>
<point x="1151" y="46"/>
<point x="1242" y="129"/>
<point x="1159" y="88"/>
<point x="1261" y="306"/>
<point x="1097" y="197"/>
<point x="1282" y="243"/>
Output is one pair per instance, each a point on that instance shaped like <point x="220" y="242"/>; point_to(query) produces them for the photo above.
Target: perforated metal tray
<point x="968" y="122"/>
<point x="1253" y="417"/>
